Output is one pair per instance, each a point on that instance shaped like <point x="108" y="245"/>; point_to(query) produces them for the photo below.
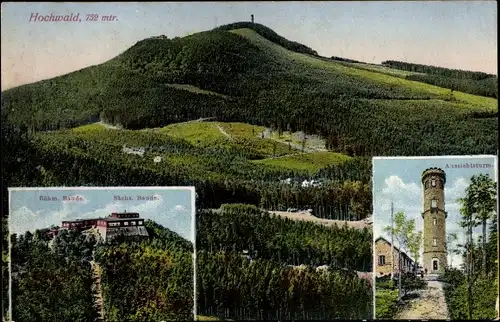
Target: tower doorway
<point x="435" y="264"/>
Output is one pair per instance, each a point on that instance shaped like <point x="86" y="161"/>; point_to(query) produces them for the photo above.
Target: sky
<point x="398" y="180"/>
<point x="173" y="207"/>
<point x="453" y="34"/>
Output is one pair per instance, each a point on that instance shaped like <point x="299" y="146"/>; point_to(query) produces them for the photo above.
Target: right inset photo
<point x="435" y="248"/>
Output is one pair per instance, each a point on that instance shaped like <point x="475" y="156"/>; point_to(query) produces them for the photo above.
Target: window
<point x="125" y="223"/>
<point x="140" y="222"/>
<point x="132" y="223"/>
<point x="433" y="182"/>
<point x="434" y="242"/>
<point x="434" y="221"/>
<point x="434" y="203"/>
<point x="381" y="260"/>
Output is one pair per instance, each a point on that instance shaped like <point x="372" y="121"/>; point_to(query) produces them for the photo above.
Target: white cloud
<point x="180" y="208"/>
<point x="456" y="189"/>
<point x="24" y="219"/>
<point x="395" y="185"/>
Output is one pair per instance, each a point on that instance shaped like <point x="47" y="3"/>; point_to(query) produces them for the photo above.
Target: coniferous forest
<point x="141" y="279"/>
<point x="239" y="243"/>
<point x="259" y="125"/>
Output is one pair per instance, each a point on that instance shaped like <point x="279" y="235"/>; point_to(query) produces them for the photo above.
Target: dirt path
<point x="430" y="304"/>
<point x="287" y="155"/>
<point x="96" y="275"/>
<point x="203" y="119"/>
<point x="302" y="215"/>
<point x="224" y="132"/>
<point x="359" y="224"/>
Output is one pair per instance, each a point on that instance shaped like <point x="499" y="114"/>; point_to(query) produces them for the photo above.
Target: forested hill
<point x="477" y="83"/>
<point x="441" y="71"/>
<point x="247" y="73"/>
<point x="173" y="239"/>
<point x="270" y="35"/>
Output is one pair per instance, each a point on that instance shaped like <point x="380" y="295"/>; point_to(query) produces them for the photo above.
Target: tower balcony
<point x="435" y="210"/>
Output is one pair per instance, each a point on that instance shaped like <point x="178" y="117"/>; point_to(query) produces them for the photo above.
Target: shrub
<point x="386" y="303"/>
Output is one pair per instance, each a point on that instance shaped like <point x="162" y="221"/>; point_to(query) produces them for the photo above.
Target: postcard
<point x="272" y="111"/>
<point x="108" y="253"/>
<point x="435" y="242"/>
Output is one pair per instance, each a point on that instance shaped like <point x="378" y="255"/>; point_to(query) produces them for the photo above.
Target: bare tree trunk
<point x="400" y="271"/>
<point x="470" y="260"/>
<point x="484" y="247"/>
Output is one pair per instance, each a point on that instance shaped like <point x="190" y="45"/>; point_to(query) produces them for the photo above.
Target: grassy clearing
<point x="306" y="161"/>
<point x="243" y="136"/>
<point x="94" y="127"/>
<point x="249" y="135"/>
<point x="270" y="148"/>
<point x="382" y="69"/>
<point x="242" y="130"/>
<point x="286" y="136"/>
<point x="194" y="89"/>
<point x="324" y="68"/>
<point x="473" y="100"/>
<point x="195" y="132"/>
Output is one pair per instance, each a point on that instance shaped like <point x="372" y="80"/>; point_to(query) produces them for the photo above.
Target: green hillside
<point x="477" y="83"/>
<point x="239" y="75"/>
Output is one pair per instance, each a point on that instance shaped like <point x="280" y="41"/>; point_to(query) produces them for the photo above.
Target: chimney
<point x="252" y="18"/>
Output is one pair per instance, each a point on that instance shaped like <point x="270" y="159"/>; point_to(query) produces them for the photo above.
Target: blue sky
<point x="398" y="180"/>
<point x="461" y="34"/>
<point x="173" y="207"/>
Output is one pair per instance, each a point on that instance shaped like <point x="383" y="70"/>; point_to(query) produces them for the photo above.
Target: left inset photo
<point x="101" y="254"/>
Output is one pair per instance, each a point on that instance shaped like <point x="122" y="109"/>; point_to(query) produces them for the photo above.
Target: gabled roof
<point x="395" y="248"/>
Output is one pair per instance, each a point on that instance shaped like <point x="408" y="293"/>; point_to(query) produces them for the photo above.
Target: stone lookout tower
<point x="434" y="216"/>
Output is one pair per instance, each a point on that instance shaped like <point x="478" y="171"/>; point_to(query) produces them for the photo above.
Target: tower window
<point x="434" y="221"/>
<point x="433" y="203"/>
<point x="433" y="182"/>
<point x="381" y="260"/>
<point x="434" y="242"/>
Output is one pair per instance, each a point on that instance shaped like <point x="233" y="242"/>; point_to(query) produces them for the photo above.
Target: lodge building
<point x="125" y="223"/>
<point x="383" y="265"/>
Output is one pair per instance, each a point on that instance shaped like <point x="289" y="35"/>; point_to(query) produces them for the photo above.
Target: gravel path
<point x="359" y="224"/>
<point x="224" y="132"/>
<point x="430" y="304"/>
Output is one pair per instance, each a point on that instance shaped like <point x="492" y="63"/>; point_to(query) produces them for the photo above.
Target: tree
<point x="477" y="208"/>
<point x="468" y="222"/>
<point x="415" y="242"/>
<point x="404" y="233"/>
<point x="482" y="194"/>
<point x="451" y="246"/>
